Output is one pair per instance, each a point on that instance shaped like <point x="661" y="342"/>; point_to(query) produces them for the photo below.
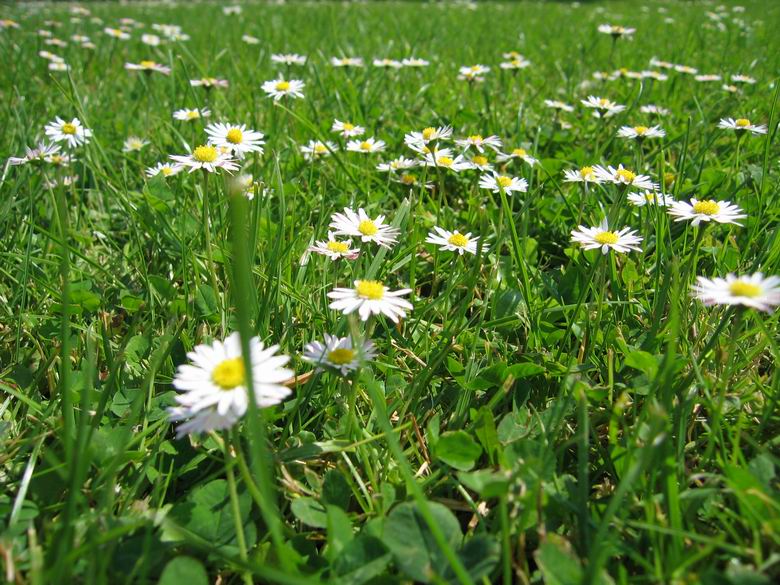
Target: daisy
<point x="360" y="225"/>
<point x="505" y="183"/>
<point x="650" y="198"/>
<point x="752" y="291"/>
<point x="520" y="153"/>
<point x="206" y="157"/>
<point x="742" y="79"/>
<point x="558" y="105"/>
<point x="616" y="30"/>
<point x="706" y="210"/>
<point x="116" y="33"/>
<point x="39" y="153"/>
<point x="429" y="134"/>
<point x="591" y="238"/>
<point x="473" y="73"/>
<point x="367" y="146"/>
<point x="387" y="63"/>
<point x="59" y="160"/>
<point x="334" y="249"/>
<point x="316" y="149"/>
<point x="641" y="132"/>
<point x="148" y="67"/>
<point x="622" y="176"/>
<point x="602" y="106"/>
<point x="686" y="69"/>
<point x="59" y="66"/>
<point x="213" y="391"/>
<point x="481" y="163"/>
<point x="479" y="142"/>
<point x="189" y="115"/>
<point x="730" y="88"/>
<point x="346" y="62"/>
<point x="347" y="129"/>
<point x="72" y="133"/>
<point x="166" y="169"/>
<point x="654" y="110"/>
<point x="289" y="59"/>
<point x="209" y="82"/>
<point x="151" y="40"/>
<point x="370" y="297"/>
<point x="705" y="78"/>
<point x="397" y="164"/>
<point x="409" y="180"/>
<point x="133" y="144"/>
<point x="453" y="241"/>
<point x="741" y="125"/>
<point x="583" y="175"/>
<point x="414" y="62"/>
<point x="8" y="23"/>
<point x="515" y="64"/>
<point x="236" y="138"/>
<point x="443" y="159"/>
<point x="279" y="88"/>
<point x="50" y="56"/>
<point x="657" y="75"/>
<point x="250" y="40"/>
<point x="337" y="353"/>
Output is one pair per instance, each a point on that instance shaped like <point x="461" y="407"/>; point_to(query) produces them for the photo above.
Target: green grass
<point x="543" y="415"/>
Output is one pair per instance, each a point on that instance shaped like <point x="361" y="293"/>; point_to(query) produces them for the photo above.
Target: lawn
<point x="390" y="292"/>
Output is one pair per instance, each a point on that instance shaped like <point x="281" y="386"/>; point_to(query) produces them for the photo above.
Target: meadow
<point x="390" y="292"/>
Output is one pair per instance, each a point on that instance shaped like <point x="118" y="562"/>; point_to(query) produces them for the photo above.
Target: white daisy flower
<point x="409" y="180"/>
<point x="387" y="63"/>
<point x="41" y="152"/>
<point x="520" y="153"/>
<point x="414" y="62"/>
<point x="453" y="241"/>
<point x="371" y="297"/>
<point x="50" y="56"/>
<point x="58" y="159"/>
<point x="72" y="133"/>
<point x="730" y="88"/>
<point x="616" y="30"/>
<point x="346" y="61"/>
<point x="59" y="66"/>
<point x="657" y="75"/>
<point x="250" y="40"/>
<point x="360" y="225"/>
<point x="444" y="160"/>
<point x="209" y="82"/>
<point x="236" y="138"/>
<point x="650" y="198"/>
<point x="481" y="163"/>
<point x="583" y="175"/>
<point x="591" y="238"/>
<point x="686" y="69"/>
<point x="228" y="10"/>
<point x="316" y="149"/>
<point x="166" y="169"/>
<point x="742" y="79"/>
<point x="473" y="73"/>
<point x="148" y="67"/>
<point x="661" y="64"/>
<point x="116" y="33"/>
<point x="754" y="291"/>
<point x="741" y="125"/>
<point x="367" y="146"/>
<point x="654" y="110"/>
<point x="188" y="115"/>
<point x="208" y="158"/>
<point x="706" y="210"/>
<point x="707" y="77"/>
<point x="478" y="142"/>
<point x="151" y="40"/>
<point x="603" y="107"/>
<point x="430" y="134"/>
<point x="347" y="129"/>
<point x="505" y="183"/>
<point x="397" y="164"/>
<point x="515" y="64"/>
<point x="334" y="249"/>
<point x="641" y="132"/>
<point x="558" y="105"/>
<point x="280" y="88"/>
<point x="213" y="392"/>
<point x="338" y="354"/>
<point x="622" y="176"/>
<point x="289" y="59"/>
<point x="133" y="144"/>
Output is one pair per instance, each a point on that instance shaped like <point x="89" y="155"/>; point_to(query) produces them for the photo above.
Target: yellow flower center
<point x="365" y="145"/>
<point x="282" y="85"/>
<point x="519" y="152"/>
<point x="503" y="181"/>
<point x="338" y="247"/>
<point x="68" y="128"/>
<point x="742" y="123"/>
<point x="586" y="172"/>
<point x="148" y="64"/>
<point x="229" y="373"/>
<point x="205" y="154"/>
<point x="193" y="114"/>
<point x="740" y="288"/>
<point x="641" y="130"/>
<point x="708" y="207"/>
<point x="445" y="161"/>
<point x="626" y="175"/>
<point x="408" y="179"/>
<point x="166" y="171"/>
<point x="650" y="196"/>
<point x="428" y="132"/>
<point x="347" y="126"/>
<point x="480" y="160"/>
<point x="458" y="240"/>
<point x="476" y="68"/>
<point x="372" y="290"/>
<point x="235" y="136"/>
<point x="606" y="238"/>
<point x="603" y="102"/>
<point x="668" y="178"/>
<point x="341" y="356"/>
<point x="320" y="148"/>
<point x="367" y="227"/>
<point x="515" y="62"/>
<point x="475" y="138"/>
